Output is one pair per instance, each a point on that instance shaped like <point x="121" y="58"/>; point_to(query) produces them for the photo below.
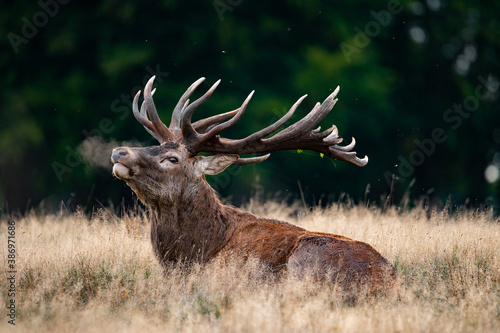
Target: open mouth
<point x="122" y="172"/>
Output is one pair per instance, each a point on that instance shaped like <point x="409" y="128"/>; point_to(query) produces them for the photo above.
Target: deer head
<point x="172" y="170"/>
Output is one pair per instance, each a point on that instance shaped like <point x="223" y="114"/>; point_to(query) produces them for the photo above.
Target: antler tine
<point x="331" y="135"/>
<point x="269" y="129"/>
<point x="220" y="127"/>
<point x="308" y="122"/>
<point x="143" y="106"/>
<point x="188" y="110"/>
<point x="194" y="139"/>
<point x="160" y="128"/>
<point x="273" y="127"/>
<point x="349" y="147"/>
<point x="145" y="115"/>
<point x="251" y="160"/>
<point x="203" y="125"/>
<point x="175" y="123"/>
<point x="340" y="153"/>
<point x="142" y="118"/>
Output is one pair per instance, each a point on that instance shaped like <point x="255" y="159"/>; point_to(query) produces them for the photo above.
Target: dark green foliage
<point x="75" y="76"/>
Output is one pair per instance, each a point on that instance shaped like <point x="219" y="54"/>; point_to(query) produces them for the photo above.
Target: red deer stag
<point x="189" y="223"/>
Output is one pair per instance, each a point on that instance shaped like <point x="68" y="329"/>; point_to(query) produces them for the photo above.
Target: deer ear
<point x="212" y="165"/>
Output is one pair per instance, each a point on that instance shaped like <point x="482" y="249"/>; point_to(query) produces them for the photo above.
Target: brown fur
<point x="190" y="224"/>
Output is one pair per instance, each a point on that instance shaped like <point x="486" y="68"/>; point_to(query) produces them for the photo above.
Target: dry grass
<point x="76" y="274"/>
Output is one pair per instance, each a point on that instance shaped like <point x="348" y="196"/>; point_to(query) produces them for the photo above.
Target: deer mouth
<point x="121" y="171"/>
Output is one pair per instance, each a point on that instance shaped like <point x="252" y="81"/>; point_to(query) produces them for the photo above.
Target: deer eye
<point x="171" y="159"/>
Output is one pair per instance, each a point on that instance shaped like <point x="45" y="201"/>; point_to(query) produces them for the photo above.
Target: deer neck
<point x="193" y="227"/>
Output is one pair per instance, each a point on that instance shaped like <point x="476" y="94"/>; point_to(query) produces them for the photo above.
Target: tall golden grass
<point x="98" y="274"/>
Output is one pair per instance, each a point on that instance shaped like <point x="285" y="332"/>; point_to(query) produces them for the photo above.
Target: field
<point x="98" y="274"/>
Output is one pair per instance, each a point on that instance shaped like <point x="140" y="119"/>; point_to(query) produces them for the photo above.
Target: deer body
<point x="190" y="224"/>
<point x="201" y="228"/>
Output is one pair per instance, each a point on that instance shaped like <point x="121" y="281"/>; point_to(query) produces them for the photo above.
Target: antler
<point x="155" y="126"/>
<point x="202" y="136"/>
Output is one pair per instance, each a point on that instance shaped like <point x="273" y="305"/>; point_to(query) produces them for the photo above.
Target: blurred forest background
<point x="419" y="92"/>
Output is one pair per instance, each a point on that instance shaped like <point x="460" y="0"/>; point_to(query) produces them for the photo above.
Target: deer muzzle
<point x="119" y="158"/>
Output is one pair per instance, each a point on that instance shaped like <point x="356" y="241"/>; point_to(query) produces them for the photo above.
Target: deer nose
<point x="118" y="153"/>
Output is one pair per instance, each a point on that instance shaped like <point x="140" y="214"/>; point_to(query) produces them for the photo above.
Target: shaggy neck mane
<point x="193" y="228"/>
